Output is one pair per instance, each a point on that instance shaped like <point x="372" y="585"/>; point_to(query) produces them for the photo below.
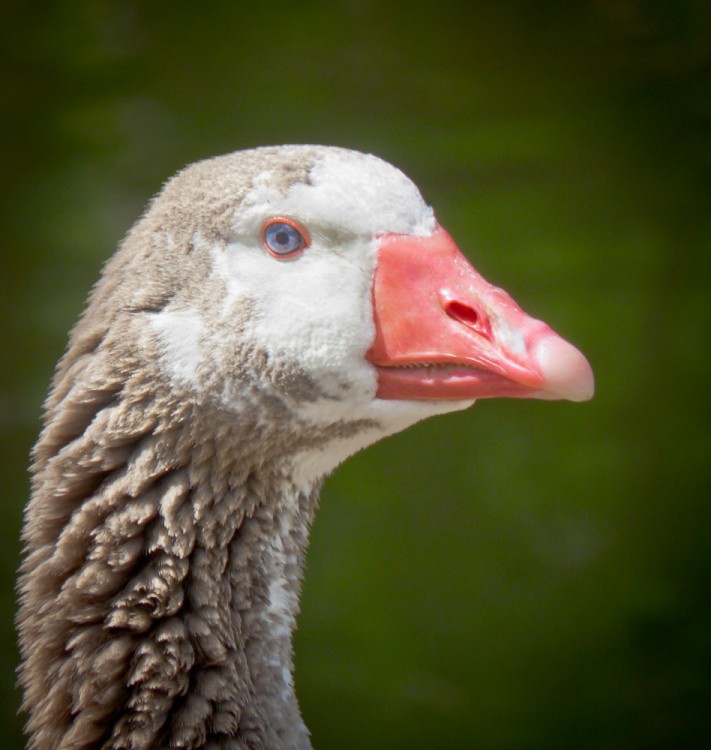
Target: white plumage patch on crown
<point x="349" y="191"/>
<point x="366" y="195"/>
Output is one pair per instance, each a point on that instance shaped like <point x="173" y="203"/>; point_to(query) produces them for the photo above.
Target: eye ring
<point x="284" y="238"/>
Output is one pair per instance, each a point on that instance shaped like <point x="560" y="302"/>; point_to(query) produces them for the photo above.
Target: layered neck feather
<point x="165" y="544"/>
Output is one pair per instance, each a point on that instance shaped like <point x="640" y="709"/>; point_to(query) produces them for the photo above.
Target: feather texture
<point x="206" y="391"/>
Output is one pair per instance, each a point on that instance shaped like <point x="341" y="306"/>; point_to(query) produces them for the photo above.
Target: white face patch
<point x="180" y="334"/>
<point x="314" y="312"/>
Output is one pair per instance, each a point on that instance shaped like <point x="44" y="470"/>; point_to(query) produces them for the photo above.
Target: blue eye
<point x="284" y="237"/>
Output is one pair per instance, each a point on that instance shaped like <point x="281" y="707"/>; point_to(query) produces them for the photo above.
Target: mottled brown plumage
<point x="148" y="535"/>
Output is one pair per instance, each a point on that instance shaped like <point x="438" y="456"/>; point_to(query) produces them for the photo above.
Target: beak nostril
<point x="469" y="317"/>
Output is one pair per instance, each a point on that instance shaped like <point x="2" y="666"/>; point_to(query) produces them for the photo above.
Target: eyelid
<point x="292" y="223"/>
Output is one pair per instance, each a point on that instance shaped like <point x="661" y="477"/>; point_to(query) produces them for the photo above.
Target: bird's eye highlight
<point x="284" y="238"/>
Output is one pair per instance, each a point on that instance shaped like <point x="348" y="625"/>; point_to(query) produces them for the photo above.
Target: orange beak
<point x="443" y="332"/>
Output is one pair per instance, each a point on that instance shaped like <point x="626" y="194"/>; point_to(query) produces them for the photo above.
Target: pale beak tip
<point x="567" y="373"/>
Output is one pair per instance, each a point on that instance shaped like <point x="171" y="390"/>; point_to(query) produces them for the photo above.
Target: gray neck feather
<point x="164" y="551"/>
<point x="164" y="540"/>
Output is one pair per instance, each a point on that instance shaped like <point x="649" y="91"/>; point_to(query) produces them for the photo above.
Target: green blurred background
<point x="520" y="575"/>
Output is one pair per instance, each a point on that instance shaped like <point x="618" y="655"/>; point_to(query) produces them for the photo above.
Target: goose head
<point x="274" y="311"/>
<point x="333" y="268"/>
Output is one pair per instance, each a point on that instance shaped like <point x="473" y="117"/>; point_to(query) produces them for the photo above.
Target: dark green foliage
<point x="520" y="576"/>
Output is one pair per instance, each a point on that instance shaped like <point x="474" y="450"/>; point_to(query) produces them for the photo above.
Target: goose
<point x="274" y="311"/>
